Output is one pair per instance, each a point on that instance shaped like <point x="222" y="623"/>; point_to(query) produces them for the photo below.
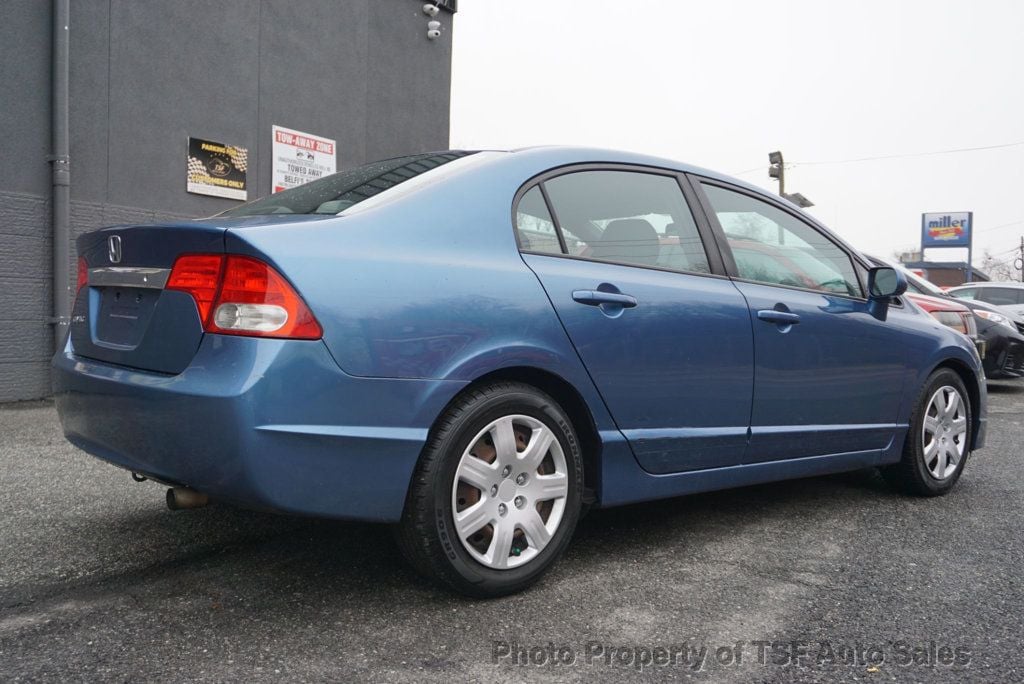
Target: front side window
<point x="627" y="217"/>
<point x="774" y="247"/>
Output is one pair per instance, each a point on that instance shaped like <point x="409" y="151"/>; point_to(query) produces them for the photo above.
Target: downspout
<point x="60" y="205"/>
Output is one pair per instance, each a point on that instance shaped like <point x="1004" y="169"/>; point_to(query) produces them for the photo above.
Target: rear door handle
<point x="779" y="317"/>
<point x="597" y="297"/>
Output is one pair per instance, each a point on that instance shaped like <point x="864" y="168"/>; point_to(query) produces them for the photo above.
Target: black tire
<point x="911" y="475"/>
<point x="426" y="534"/>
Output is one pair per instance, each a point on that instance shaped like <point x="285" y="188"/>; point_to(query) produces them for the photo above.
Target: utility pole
<point x="1020" y="259"/>
<point x="777" y="170"/>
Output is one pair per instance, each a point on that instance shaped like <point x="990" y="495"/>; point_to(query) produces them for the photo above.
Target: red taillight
<point x="83" y="274"/>
<point x="970" y="326"/>
<point x="951" y="319"/>
<point x="198" y="275"/>
<point x="240" y="295"/>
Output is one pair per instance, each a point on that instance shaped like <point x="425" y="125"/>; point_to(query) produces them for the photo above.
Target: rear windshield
<point x="335" y="193"/>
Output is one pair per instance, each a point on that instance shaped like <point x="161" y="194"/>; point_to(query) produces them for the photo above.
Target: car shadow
<point x="252" y="561"/>
<point x="624" y="528"/>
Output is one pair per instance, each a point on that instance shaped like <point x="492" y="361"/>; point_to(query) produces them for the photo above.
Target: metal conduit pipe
<point x="61" y="200"/>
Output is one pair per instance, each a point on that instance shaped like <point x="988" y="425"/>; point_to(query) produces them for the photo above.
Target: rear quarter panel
<point x="430" y="285"/>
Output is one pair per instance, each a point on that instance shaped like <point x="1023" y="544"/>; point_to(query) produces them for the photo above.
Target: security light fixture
<point x="799" y="200"/>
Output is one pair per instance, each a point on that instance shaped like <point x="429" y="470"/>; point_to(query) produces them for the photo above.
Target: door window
<point x="969" y="293"/>
<point x="534" y="228"/>
<point x="627" y="217"/>
<point x="1000" y="296"/>
<point x="774" y="247"/>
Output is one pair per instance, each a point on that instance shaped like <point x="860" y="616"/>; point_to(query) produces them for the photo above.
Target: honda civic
<point x="476" y="347"/>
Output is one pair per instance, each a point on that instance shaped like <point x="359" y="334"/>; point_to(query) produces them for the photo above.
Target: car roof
<point x="1010" y="284"/>
<point x="548" y="158"/>
<point x="566" y="154"/>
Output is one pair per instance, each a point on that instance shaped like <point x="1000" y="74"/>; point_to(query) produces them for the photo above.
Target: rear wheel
<point x="497" y="493"/>
<point x="938" y="442"/>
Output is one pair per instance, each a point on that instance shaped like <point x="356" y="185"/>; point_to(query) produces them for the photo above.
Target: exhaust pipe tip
<point x="183" y="498"/>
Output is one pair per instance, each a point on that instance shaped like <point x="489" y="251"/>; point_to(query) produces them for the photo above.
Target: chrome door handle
<point x="778" y="317"/>
<point x="597" y="297"/>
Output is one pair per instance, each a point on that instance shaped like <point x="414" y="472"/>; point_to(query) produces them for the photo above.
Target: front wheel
<point x="497" y="493"/>
<point x="938" y="441"/>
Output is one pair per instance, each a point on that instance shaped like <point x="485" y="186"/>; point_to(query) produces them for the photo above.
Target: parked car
<point x="1009" y="296"/>
<point x="950" y="313"/>
<point x="474" y="346"/>
<point x="1001" y="331"/>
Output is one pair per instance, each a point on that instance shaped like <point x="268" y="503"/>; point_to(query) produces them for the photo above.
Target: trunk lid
<point x="124" y="316"/>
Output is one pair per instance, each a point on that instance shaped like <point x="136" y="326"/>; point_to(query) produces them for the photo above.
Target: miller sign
<point x="946" y="229"/>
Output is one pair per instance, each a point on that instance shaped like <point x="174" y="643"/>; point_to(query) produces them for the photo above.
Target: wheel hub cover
<point x="507" y="491"/>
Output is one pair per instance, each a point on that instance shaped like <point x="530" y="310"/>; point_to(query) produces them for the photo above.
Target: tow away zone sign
<point x="300" y="157"/>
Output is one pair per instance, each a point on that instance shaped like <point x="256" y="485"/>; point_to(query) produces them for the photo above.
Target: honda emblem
<point x="114" y="249"/>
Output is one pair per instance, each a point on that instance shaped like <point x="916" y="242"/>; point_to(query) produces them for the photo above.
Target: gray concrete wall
<point x="147" y="74"/>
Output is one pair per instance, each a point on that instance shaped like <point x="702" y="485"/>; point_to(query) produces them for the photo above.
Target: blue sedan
<point x="477" y="346"/>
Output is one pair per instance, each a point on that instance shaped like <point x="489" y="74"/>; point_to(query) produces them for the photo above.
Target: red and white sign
<point x="299" y="158"/>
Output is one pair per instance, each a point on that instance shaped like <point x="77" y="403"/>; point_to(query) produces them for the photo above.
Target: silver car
<point x="1009" y="296"/>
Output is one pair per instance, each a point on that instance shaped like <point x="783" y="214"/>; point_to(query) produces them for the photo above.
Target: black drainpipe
<point x="60" y="205"/>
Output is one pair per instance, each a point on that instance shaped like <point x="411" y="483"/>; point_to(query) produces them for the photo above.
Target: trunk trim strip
<point x="129" y="276"/>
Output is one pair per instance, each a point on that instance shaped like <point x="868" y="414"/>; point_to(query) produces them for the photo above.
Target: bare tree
<point x="997" y="268"/>
<point x="899" y="255"/>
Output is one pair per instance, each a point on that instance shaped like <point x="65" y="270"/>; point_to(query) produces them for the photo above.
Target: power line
<point x="744" y="171"/>
<point x="1001" y="225"/>
<point x="908" y="155"/>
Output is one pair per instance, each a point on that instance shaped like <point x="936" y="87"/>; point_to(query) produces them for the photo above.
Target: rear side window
<point x="534" y="228"/>
<point x="626" y="217"/>
<point x="774" y="247"/>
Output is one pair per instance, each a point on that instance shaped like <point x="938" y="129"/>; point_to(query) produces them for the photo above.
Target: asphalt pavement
<point x="824" y="579"/>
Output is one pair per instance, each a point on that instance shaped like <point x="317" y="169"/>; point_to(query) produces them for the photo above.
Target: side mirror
<point x="884" y="283"/>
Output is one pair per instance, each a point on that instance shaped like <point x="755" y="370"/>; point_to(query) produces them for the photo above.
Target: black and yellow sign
<point x="217" y="169"/>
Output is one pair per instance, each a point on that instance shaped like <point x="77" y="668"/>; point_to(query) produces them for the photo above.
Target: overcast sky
<point x="720" y="84"/>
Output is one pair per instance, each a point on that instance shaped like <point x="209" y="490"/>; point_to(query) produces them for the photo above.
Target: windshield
<point x="915" y="281"/>
<point x="921" y="284"/>
<point x="335" y="193"/>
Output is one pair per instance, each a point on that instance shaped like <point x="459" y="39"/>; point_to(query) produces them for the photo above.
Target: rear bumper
<point x="265" y="423"/>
